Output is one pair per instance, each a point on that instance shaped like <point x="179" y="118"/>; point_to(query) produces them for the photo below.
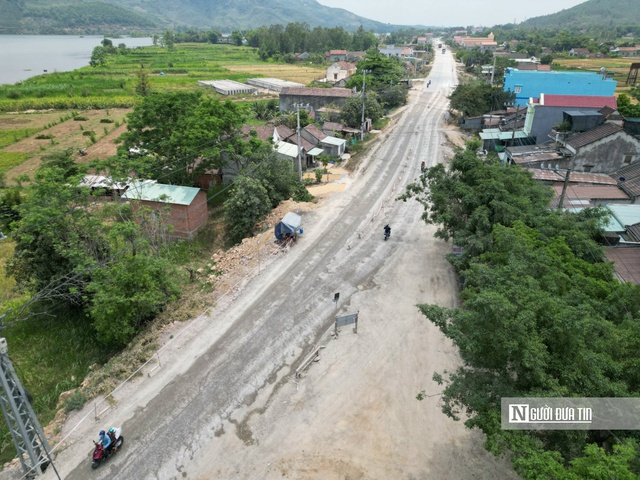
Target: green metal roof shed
<point x="157" y="192"/>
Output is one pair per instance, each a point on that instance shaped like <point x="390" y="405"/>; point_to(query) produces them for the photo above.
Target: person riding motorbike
<point x="387" y="231"/>
<point x="105" y="441"/>
<point x="112" y="436"/>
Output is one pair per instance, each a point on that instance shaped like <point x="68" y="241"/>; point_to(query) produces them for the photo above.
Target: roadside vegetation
<point x="542" y="315"/>
<point x="90" y="266"/>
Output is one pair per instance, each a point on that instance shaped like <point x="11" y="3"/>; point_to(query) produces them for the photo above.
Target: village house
<point x="331" y="145"/>
<point x="580" y="52"/>
<point x="340" y="71"/>
<point x="627" y="51"/>
<point x="184" y="209"/>
<point x="313" y="97"/>
<point x="398" y="52"/>
<point x="484" y="43"/>
<point x="604" y="149"/>
<point x="335" y="56"/>
<point x="547" y="111"/>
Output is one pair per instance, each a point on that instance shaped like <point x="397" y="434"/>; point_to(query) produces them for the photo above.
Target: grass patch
<point x="8" y="160"/>
<point x="8" y="137"/>
<point x="51" y="355"/>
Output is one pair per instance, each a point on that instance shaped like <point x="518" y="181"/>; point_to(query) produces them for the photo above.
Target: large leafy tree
<point x="541" y="314"/>
<point x="352" y="111"/>
<point x="58" y="240"/>
<point x="476" y="98"/>
<point x="182" y="134"/>
<point x="248" y="204"/>
<point x="127" y="292"/>
<point x="382" y="72"/>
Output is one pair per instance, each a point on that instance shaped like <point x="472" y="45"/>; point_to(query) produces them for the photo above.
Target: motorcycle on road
<point x="101" y="455"/>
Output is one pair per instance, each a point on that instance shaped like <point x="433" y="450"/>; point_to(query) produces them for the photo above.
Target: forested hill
<point x="592" y="13"/>
<point x="107" y="16"/>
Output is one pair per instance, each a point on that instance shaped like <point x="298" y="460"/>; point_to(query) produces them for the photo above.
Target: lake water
<point x="24" y="56"/>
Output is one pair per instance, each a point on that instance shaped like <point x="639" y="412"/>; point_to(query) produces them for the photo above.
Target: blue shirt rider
<point x="105" y="441"/>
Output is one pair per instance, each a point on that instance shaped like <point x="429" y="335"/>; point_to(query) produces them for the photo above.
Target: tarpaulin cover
<point x="289" y="224"/>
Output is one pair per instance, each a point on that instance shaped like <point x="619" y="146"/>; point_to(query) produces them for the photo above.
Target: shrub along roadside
<point x="541" y="315"/>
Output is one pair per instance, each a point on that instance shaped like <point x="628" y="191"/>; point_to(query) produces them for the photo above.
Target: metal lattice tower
<point x="28" y="437"/>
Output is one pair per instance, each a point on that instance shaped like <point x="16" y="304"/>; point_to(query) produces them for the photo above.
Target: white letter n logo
<point x="518" y="413"/>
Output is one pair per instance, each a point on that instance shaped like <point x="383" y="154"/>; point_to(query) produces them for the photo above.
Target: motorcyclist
<point x="105" y="441"/>
<point x="112" y="436"/>
<point x="387" y="231"/>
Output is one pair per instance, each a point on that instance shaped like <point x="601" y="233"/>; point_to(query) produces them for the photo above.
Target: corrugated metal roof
<point x="634" y="232"/>
<point x="626" y="262"/>
<point x="287" y="149"/>
<point x="598" y="133"/>
<point x="157" y="192"/>
<point x="631" y="176"/>
<point x="592" y="192"/>
<point x="583" y="101"/>
<point x="315" y="152"/>
<point x="496" y="134"/>
<point x="626" y="215"/>
<point x="317" y="92"/>
<point x="333" y="141"/>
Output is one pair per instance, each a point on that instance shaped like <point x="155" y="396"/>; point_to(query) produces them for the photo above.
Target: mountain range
<point x="600" y="13"/>
<point x="145" y="16"/>
<point x="78" y="16"/>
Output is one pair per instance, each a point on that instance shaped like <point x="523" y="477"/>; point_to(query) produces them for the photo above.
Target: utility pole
<point x="493" y="70"/>
<point x="564" y="189"/>
<point x="299" y="148"/>
<point x="26" y="432"/>
<point x="364" y="74"/>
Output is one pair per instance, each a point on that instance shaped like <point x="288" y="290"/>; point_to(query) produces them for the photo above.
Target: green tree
<point x="168" y="40"/>
<point x="237" y="38"/>
<point x="541" y="314"/>
<point x="98" y="57"/>
<point x="352" y="110"/>
<point x="10" y="200"/>
<point x="248" y="203"/>
<point x="178" y="128"/>
<point x="58" y="240"/>
<point x="128" y="292"/>
<point x="143" y="85"/>
<point x="478" y="97"/>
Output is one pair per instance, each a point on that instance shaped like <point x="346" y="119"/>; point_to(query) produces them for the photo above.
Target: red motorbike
<point x="100" y="455"/>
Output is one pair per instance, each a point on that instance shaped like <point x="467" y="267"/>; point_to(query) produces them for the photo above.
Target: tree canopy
<point x="542" y="314"/>
<point x="181" y="134"/>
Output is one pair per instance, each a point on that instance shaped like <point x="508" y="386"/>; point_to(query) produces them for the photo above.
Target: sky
<point x="450" y="13"/>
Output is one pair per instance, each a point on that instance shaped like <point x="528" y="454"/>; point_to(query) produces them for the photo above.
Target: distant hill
<point x="78" y="16"/>
<point x="592" y="13"/>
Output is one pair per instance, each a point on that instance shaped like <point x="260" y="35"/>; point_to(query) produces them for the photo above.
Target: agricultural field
<point x="86" y="108"/>
<point x="113" y="84"/>
<point x="619" y="67"/>
<point x="92" y="130"/>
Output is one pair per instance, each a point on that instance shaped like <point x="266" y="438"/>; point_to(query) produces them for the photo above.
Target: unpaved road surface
<point x="226" y="404"/>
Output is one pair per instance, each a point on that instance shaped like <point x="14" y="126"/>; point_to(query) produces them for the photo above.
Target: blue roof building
<point x="531" y="83"/>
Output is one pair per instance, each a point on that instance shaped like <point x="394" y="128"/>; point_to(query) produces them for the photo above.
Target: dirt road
<point x="226" y="403"/>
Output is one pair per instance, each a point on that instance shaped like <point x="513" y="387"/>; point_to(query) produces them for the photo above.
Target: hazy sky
<point x="451" y="12"/>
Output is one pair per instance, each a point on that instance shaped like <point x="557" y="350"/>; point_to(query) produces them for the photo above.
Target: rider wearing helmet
<point x="105" y="441"/>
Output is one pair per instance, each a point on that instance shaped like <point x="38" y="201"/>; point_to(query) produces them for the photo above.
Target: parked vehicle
<point x="100" y="455"/>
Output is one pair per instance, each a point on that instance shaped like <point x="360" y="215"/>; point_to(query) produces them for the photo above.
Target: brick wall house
<point x="183" y="208"/>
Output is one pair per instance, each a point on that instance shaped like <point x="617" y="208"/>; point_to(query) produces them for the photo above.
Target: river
<point x="24" y="56"/>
